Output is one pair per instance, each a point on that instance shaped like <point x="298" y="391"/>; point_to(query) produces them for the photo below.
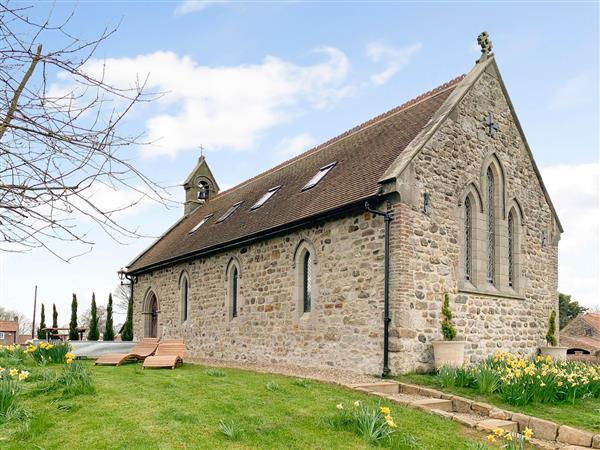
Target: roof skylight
<point x="229" y="212"/>
<point x="199" y="224"/>
<point x="265" y="198"/>
<point x="319" y="176"/>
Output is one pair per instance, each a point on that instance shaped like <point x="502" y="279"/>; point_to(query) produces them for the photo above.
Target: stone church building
<point x="290" y="266"/>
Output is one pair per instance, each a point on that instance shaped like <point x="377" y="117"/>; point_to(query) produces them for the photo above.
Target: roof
<point x="8" y="325"/>
<point x="592" y="319"/>
<point x="362" y="155"/>
<point x="586" y="343"/>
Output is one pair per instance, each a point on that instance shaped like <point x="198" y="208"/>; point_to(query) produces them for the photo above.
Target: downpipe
<point x="387" y="218"/>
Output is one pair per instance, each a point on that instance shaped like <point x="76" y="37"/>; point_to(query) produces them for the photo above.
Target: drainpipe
<point x="387" y="218"/>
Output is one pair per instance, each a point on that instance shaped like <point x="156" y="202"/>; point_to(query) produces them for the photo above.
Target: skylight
<point x="229" y="212"/>
<point x="319" y="176"/>
<point x="199" y="224"/>
<point x="261" y="201"/>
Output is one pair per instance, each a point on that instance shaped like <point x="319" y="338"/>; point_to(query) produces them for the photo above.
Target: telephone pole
<point x="34" y="305"/>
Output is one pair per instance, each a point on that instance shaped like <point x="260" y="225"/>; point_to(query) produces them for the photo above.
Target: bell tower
<point x="199" y="186"/>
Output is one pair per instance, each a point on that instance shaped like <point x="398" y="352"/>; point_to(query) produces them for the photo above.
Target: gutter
<point x="256" y="236"/>
<point x="387" y="218"/>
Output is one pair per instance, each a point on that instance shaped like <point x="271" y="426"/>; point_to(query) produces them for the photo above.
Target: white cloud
<point x="576" y="91"/>
<point x="189" y="6"/>
<point x="225" y="107"/>
<point x="290" y="147"/>
<point x="394" y="59"/>
<point x="574" y="192"/>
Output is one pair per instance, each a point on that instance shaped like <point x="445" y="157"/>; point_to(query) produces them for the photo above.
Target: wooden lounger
<point x="141" y="351"/>
<point x="170" y="353"/>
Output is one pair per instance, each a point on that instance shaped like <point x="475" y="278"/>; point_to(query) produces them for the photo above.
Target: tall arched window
<point x="184" y="298"/>
<point x="491" y="226"/>
<point x="234" y="292"/>
<point x="306" y="281"/>
<point x="511" y="249"/>
<point x="468" y="244"/>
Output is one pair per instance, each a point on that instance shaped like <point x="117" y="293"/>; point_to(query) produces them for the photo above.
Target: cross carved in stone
<point x="490" y="125"/>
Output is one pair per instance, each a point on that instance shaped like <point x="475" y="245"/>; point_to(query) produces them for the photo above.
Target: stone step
<point x="385" y="387"/>
<point x="492" y="424"/>
<point x="433" y="403"/>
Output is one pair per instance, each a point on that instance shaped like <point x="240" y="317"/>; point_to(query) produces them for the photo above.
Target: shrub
<point x="73" y="334"/>
<point x="551" y="336"/>
<point x="127" y="334"/>
<point x="448" y="330"/>
<point x="373" y="424"/>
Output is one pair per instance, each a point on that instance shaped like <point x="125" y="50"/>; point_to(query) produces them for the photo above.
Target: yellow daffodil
<point x="13" y="372"/>
<point x="23" y="376"/>
<point x="384" y="410"/>
<point x="339" y="406"/>
<point x="491" y="438"/>
<point x="357" y="403"/>
<point x="527" y="433"/>
<point x="498" y="431"/>
<point x="390" y="422"/>
<point x="508" y="437"/>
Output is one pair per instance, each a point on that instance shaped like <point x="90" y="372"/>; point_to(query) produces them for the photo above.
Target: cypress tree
<point x="54" y="318"/>
<point x="73" y="335"/>
<point x="93" y="332"/>
<point x="448" y="329"/>
<point x="109" y="333"/>
<point x="127" y="334"/>
<point x="41" y="334"/>
<point x="551" y="336"/>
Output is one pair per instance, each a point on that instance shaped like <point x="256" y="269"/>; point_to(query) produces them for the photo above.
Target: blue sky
<point x="256" y="83"/>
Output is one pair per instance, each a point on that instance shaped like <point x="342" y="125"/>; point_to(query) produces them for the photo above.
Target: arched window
<point x="306" y="281"/>
<point x="491" y="226"/>
<point x="234" y="292"/>
<point x="468" y="244"/>
<point x="184" y="289"/>
<point x="511" y="249"/>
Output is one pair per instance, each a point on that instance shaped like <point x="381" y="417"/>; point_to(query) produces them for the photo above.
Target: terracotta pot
<point x="449" y="353"/>
<point x="556" y="353"/>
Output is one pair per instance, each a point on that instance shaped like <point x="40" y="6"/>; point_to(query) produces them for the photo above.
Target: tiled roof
<point x="8" y="325"/>
<point x="586" y="343"/>
<point x="593" y="319"/>
<point x="361" y="154"/>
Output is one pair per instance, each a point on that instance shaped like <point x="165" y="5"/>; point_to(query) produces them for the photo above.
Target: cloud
<point x="574" y="192"/>
<point x="290" y="147"/>
<point x="227" y="106"/>
<point x="189" y="6"/>
<point x="393" y="58"/>
<point x="576" y="91"/>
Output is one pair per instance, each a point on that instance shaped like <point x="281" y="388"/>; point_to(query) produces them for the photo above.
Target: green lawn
<point x="584" y="414"/>
<point x="164" y="409"/>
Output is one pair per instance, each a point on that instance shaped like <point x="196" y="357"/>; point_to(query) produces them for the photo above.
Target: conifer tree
<point x="93" y="332"/>
<point x="54" y="318"/>
<point x="73" y="334"/>
<point x="127" y="334"/>
<point x="41" y="334"/>
<point x="109" y="333"/>
<point x="448" y="329"/>
<point x="551" y="336"/>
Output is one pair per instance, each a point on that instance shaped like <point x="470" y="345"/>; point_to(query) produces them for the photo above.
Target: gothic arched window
<point x="511" y="249"/>
<point x="234" y="292"/>
<point x="468" y="243"/>
<point x="491" y="226"/>
<point x="306" y="281"/>
<point x="184" y="288"/>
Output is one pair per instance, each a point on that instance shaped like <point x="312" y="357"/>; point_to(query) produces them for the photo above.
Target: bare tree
<point x="24" y="321"/>
<point x="121" y="295"/>
<point x="85" y="317"/>
<point x="58" y="145"/>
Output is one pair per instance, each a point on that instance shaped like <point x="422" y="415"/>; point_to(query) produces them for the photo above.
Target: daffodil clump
<point x="13" y="374"/>
<point x="12" y="352"/>
<point x="45" y="352"/>
<point x="520" y="380"/>
<point x="511" y="440"/>
<point x="374" y="424"/>
<point x="10" y="381"/>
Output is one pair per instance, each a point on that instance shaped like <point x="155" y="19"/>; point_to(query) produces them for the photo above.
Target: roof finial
<point x="486" y="46"/>
<point x="201" y="150"/>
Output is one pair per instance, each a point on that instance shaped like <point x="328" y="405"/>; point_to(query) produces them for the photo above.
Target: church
<point x="341" y="257"/>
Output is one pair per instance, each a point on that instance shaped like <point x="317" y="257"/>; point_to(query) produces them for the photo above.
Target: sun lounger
<point x="141" y="351"/>
<point x="170" y="353"/>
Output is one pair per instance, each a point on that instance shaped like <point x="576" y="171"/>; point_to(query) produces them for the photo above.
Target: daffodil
<point x="491" y="438"/>
<point x="498" y="431"/>
<point x="390" y="422"/>
<point x="357" y="403"/>
<point x="13" y="372"/>
<point x="384" y="410"/>
<point x="339" y="406"/>
<point x="527" y="433"/>
<point x="508" y="437"/>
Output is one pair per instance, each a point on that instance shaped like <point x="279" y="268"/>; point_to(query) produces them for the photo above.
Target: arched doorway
<point x="151" y="316"/>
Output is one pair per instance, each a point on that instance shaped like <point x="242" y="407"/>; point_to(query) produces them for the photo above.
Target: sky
<point x="255" y="83"/>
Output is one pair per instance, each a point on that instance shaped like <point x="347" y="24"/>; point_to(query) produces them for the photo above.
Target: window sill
<point x="510" y="294"/>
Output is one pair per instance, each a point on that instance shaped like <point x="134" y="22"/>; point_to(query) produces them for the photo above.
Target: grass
<point x="584" y="414"/>
<point x="191" y="408"/>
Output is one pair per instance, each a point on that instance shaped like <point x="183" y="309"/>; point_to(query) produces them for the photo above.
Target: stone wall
<point x="578" y="327"/>
<point x="343" y="328"/>
<point x="427" y="247"/>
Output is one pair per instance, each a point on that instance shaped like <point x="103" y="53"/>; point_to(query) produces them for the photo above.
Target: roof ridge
<point x="386" y="115"/>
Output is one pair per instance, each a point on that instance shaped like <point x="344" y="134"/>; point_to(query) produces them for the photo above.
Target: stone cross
<point x="201" y="150"/>
<point x="490" y="125"/>
<point x="483" y="40"/>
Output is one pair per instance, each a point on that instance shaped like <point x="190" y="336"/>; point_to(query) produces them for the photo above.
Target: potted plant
<point x="553" y="350"/>
<point x="448" y="352"/>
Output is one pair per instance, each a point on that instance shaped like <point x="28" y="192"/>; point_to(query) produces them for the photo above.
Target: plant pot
<point x="556" y="353"/>
<point x="449" y="353"/>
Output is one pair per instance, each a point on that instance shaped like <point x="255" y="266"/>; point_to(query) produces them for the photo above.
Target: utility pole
<point x="34" y="305"/>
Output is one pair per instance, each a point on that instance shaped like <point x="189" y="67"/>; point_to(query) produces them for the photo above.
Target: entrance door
<point x="153" y="317"/>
